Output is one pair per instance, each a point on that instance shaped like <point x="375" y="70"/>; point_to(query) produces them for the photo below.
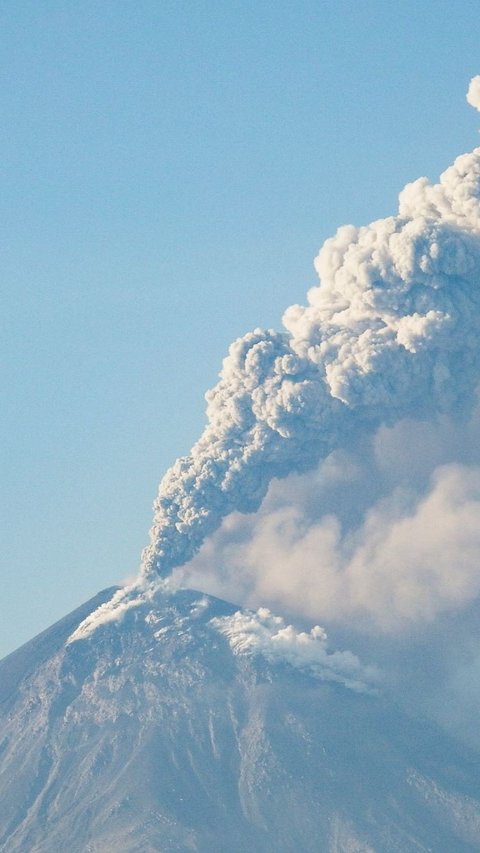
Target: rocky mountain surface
<point x="155" y="734"/>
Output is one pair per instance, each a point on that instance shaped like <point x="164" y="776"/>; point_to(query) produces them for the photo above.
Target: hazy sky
<point x="169" y="171"/>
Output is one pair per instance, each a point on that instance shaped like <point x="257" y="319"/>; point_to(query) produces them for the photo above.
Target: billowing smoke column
<point x="392" y="330"/>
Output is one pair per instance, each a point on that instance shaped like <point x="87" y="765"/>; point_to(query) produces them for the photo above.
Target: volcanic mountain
<point x="168" y="731"/>
<point x="156" y="718"/>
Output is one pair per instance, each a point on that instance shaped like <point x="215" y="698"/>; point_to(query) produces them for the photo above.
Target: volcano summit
<point x="164" y="734"/>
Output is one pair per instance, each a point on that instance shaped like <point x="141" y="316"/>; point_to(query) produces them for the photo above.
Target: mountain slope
<point x="153" y="735"/>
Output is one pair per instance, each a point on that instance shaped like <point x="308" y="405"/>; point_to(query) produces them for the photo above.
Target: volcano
<point x="155" y="733"/>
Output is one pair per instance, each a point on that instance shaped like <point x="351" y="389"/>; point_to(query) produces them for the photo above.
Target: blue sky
<point x="169" y="171"/>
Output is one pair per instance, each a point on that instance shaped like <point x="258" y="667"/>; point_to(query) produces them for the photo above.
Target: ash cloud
<point x="263" y="632"/>
<point x="362" y="407"/>
<point x="385" y="536"/>
<point x="380" y="544"/>
<point x="391" y="331"/>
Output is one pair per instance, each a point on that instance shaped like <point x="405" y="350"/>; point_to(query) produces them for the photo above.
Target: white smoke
<point x="269" y="635"/>
<point x="473" y="94"/>
<point x="391" y="332"/>
<point x="115" y="609"/>
<point x="411" y="558"/>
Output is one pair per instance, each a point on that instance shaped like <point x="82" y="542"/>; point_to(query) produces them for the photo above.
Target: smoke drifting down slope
<point x="390" y="332"/>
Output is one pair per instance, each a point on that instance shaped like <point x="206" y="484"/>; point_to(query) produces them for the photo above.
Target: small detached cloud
<point x="473" y="94"/>
<point x="390" y="332"/>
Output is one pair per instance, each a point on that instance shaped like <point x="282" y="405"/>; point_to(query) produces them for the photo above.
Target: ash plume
<point x="391" y="331"/>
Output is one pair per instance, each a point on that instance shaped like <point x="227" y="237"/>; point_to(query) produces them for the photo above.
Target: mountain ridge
<point x="155" y="735"/>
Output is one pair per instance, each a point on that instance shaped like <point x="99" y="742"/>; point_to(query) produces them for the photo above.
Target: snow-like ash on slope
<point x="391" y="331"/>
<point x="269" y="635"/>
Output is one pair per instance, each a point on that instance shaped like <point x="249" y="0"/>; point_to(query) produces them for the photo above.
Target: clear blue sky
<point x="169" y="170"/>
